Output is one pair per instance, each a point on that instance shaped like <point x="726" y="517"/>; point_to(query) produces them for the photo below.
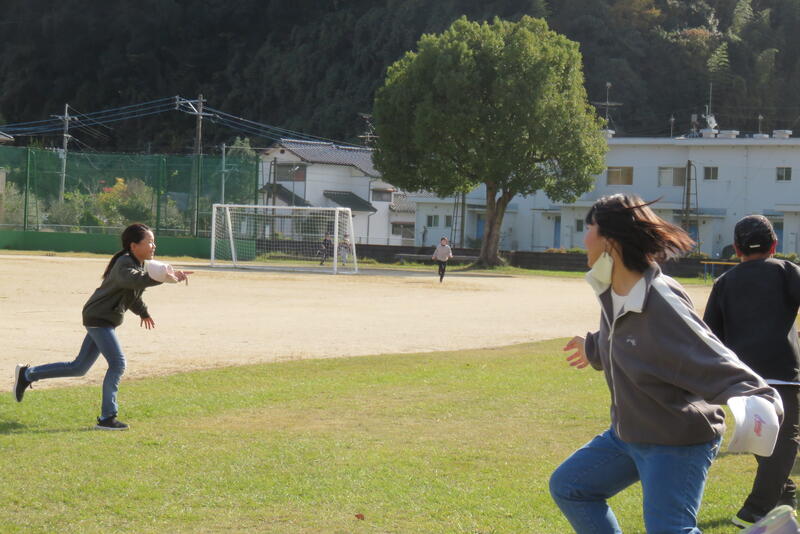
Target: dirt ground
<point x="228" y="317"/>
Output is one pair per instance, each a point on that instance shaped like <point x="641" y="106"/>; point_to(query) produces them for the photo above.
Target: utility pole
<point x="198" y="153"/>
<point x="64" y="142"/>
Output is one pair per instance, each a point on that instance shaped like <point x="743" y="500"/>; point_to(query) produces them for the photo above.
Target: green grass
<point x="451" y="442"/>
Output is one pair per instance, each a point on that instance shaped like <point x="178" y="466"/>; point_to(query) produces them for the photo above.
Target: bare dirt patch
<point x="227" y="317"/>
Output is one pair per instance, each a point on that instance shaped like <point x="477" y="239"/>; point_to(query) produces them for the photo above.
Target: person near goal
<point x="752" y="308"/>
<point x="442" y="253"/>
<point x="667" y="374"/>
<point x="344" y="249"/>
<point x="326" y="248"/>
<point x="124" y="280"/>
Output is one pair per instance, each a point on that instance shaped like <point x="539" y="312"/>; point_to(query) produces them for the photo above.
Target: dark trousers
<point x="772" y="485"/>
<point x="442" y="268"/>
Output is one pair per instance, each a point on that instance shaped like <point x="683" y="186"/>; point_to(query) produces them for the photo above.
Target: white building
<point x="730" y="176"/>
<point x="313" y="173"/>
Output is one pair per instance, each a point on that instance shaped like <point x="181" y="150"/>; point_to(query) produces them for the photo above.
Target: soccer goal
<point x="283" y="237"/>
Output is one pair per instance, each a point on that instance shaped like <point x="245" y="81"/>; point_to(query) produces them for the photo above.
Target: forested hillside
<point x="313" y="66"/>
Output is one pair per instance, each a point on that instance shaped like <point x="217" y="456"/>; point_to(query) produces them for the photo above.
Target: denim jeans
<point x="98" y="340"/>
<point x="672" y="477"/>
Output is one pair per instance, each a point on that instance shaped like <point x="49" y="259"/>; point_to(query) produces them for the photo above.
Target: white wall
<point x="326" y="177"/>
<point x="746" y="184"/>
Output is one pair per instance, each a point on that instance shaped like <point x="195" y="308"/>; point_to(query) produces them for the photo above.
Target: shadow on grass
<point x="719" y="522"/>
<point x="15" y="427"/>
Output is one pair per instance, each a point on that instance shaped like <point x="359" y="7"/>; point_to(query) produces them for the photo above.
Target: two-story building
<point x="321" y="174"/>
<point x="729" y="176"/>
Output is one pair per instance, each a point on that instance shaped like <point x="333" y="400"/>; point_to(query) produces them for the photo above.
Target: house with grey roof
<point x="323" y="174"/>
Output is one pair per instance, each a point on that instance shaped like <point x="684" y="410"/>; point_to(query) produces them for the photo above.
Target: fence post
<point x="27" y="187"/>
<point x="255" y="180"/>
<point x="162" y="169"/>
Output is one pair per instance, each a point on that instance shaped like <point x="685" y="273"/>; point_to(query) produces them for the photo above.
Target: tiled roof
<point x="285" y="195"/>
<point x="401" y="204"/>
<point x="333" y="154"/>
<point x="346" y="199"/>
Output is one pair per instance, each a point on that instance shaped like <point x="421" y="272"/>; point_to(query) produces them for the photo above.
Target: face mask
<point x="599" y="277"/>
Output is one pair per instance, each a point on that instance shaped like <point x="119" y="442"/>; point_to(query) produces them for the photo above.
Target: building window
<point x="710" y="173"/>
<point x="448" y="221"/>
<point x="404" y="230"/>
<point x="290" y="172"/>
<point x="381" y="195"/>
<point x="433" y="221"/>
<point x="671" y="176"/>
<point x="784" y="174"/>
<point x="579" y="225"/>
<point x="619" y="176"/>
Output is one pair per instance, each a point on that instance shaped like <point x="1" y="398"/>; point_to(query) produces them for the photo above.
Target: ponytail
<point x="132" y="234"/>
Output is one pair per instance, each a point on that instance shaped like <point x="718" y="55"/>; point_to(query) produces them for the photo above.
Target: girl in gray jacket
<point x="124" y="281"/>
<point x="667" y="374"/>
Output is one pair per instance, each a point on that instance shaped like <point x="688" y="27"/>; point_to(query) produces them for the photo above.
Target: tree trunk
<point x="495" y="211"/>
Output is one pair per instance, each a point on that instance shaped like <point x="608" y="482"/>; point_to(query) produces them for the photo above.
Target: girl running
<point x="124" y="281"/>
<point x="666" y="372"/>
<point x="441" y="255"/>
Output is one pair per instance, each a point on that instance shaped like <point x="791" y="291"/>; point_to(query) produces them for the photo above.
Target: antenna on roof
<point x="607" y="104"/>
<point x="369" y="135"/>
<point x="709" y="116"/>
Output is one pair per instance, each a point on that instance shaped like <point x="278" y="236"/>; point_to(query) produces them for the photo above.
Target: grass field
<point x="449" y="442"/>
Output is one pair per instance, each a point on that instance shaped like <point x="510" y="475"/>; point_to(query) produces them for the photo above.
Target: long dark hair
<point x="132" y="234"/>
<point x="641" y="235"/>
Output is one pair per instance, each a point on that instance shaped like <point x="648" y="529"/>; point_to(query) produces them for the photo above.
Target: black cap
<point x="754" y="234"/>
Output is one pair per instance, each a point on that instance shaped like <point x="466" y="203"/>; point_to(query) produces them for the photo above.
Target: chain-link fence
<point x="102" y="193"/>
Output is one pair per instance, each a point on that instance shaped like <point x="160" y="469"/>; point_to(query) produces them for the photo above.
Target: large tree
<point x="500" y="104"/>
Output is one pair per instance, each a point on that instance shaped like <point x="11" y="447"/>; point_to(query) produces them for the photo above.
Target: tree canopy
<point x="313" y="66"/>
<point x="500" y="104"/>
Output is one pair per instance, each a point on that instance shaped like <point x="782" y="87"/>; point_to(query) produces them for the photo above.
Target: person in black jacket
<point x="752" y="309"/>
<point x="124" y="281"/>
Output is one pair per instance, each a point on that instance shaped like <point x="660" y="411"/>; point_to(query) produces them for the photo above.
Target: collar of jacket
<point x="636" y="298"/>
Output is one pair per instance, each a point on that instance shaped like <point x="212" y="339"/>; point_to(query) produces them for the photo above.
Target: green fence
<point x="91" y="192"/>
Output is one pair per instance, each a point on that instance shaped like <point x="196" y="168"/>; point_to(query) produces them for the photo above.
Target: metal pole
<point x="162" y="170"/>
<point x="463" y="218"/>
<point x="222" y="185"/>
<point x="198" y="152"/>
<point x="64" y="143"/>
<point x="214" y="209"/>
<point x="256" y="170"/>
<point x="336" y="240"/>
<point x="27" y="187"/>
<point x="352" y="240"/>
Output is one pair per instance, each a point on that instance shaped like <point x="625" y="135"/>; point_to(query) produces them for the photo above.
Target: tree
<point x="500" y="104"/>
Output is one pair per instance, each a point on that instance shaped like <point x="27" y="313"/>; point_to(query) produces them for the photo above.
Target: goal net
<point x="283" y="237"/>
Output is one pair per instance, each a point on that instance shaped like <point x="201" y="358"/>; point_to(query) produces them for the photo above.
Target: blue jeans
<point x="98" y="340"/>
<point x="672" y="477"/>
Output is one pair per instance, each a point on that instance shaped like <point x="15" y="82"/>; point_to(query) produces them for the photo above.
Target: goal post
<point x="283" y="237"/>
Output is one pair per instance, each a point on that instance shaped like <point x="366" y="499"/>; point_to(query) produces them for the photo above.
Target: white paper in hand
<point x="160" y="271"/>
<point x="757" y="425"/>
